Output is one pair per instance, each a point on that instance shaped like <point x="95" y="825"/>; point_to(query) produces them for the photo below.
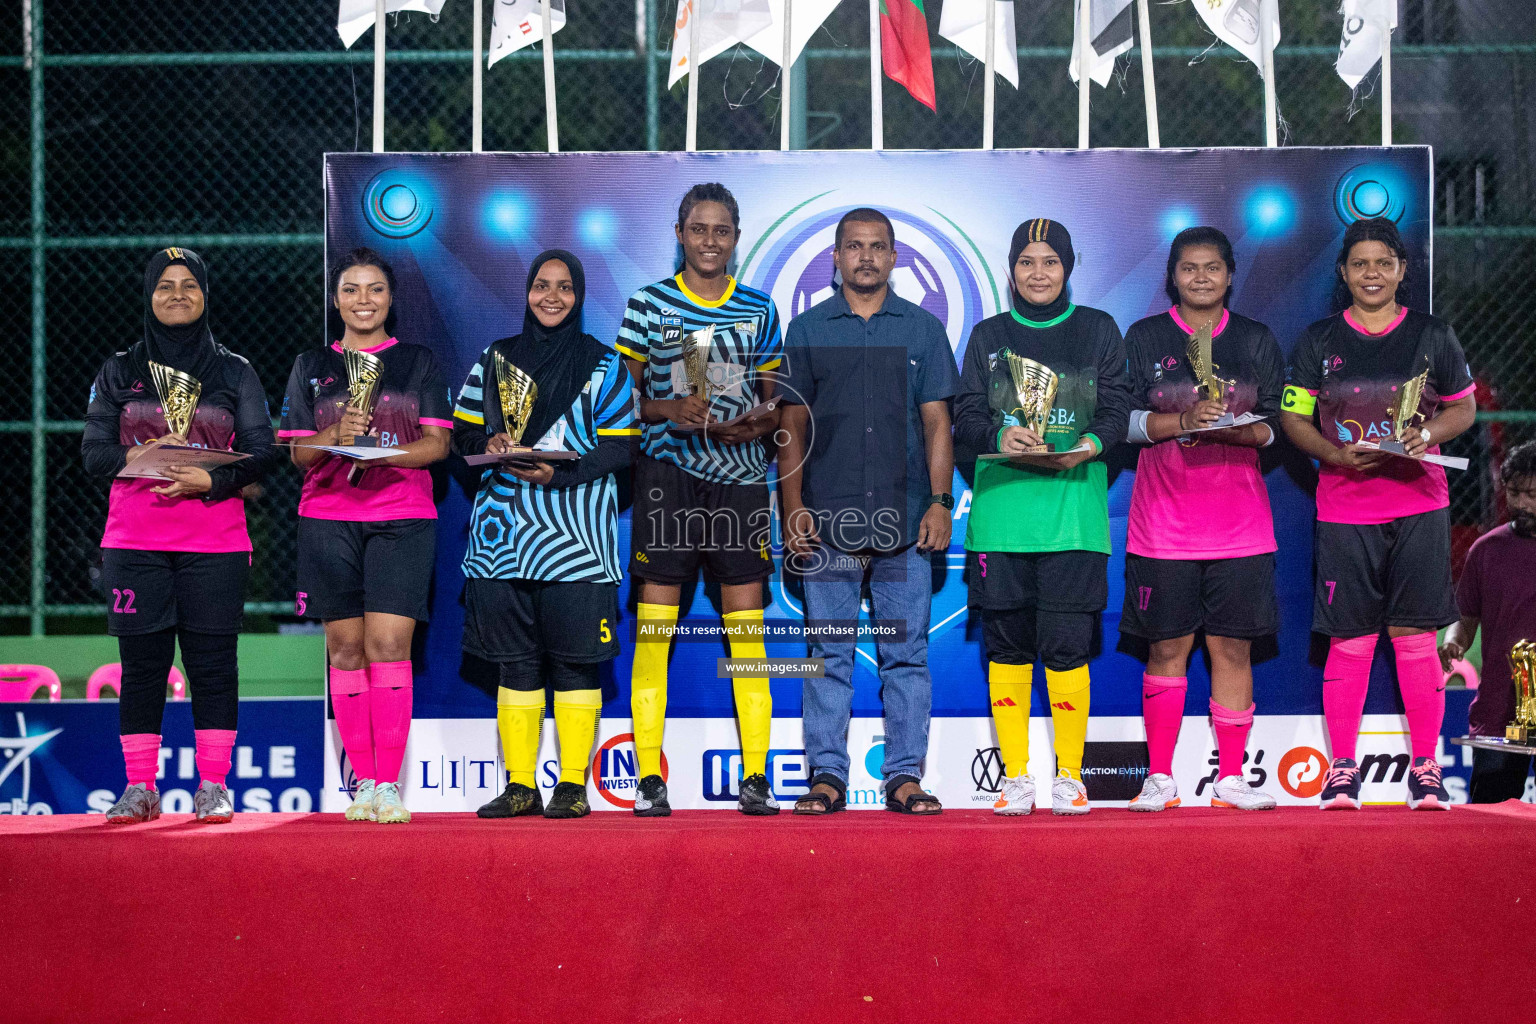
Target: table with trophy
<point x="1520" y="734"/>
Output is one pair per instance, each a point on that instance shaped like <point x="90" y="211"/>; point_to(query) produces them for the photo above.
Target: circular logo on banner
<point x="616" y="770"/>
<point x="1371" y="190"/>
<point x="1302" y="771"/>
<point x="397" y="203"/>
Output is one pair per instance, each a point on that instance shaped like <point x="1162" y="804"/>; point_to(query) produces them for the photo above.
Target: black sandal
<point x="909" y="805"/>
<point x="814" y="803"/>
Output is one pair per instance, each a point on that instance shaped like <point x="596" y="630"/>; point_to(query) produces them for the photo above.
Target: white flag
<point x="1367" y="24"/>
<point x="519" y="23"/>
<point x="722" y="24"/>
<point x="806" y="17"/>
<point x="1236" y="23"/>
<point x="1109" y="22"/>
<point x="356" y="16"/>
<point x="964" y="23"/>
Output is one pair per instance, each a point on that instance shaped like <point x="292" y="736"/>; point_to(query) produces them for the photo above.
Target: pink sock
<point x="1232" y="728"/>
<point x="390" y="683"/>
<point x="213" y="747"/>
<point x="141" y="757"/>
<point x="1162" y="708"/>
<point x="351" y="704"/>
<point x="1423" y="688"/>
<point x="1346" y="677"/>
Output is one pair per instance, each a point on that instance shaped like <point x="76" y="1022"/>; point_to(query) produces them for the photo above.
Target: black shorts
<point x="1053" y="581"/>
<point x="1171" y="597"/>
<point x="147" y="591"/>
<point x="680" y="522"/>
<point x="1385" y="574"/>
<point x="519" y="620"/>
<point x="347" y="568"/>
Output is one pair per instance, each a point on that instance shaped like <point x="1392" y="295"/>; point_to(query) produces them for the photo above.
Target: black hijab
<point x="189" y="348"/>
<point x="560" y="359"/>
<point x="1053" y="234"/>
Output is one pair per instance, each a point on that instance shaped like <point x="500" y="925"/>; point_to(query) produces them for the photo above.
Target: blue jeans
<point x="900" y="587"/>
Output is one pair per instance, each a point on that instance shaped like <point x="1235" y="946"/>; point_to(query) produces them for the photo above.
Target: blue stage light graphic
<point x="1270" y="211"/>
<point x="506" y="213"/>
<point x="1371" y="190"/>
<point x="397" y="203"/>
<point x="597" y="226"/>
<point x="1176" y="219"/>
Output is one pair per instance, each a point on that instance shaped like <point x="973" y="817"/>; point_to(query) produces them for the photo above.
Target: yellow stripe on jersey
<point x="619" y="432"/>
<point x="730" y="289"/>
<point x="771" y="363"/>
<point x="1298" y="400"/>
<point x="629" y="352"/>
<point x="468" y="417"/>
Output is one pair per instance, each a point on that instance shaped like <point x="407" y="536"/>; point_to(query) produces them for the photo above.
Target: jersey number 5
<point x="604" y="634"/>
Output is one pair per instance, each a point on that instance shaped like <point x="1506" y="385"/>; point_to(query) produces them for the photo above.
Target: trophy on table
<point x="1522" y="666"/>
<point x="516" y="392"/>
<point x="1405" y="413"/>
<point x="178" y="393"/>
<point x="364" y="371"/>
<point x="1210" y="387"/>
<point x="1034" y="385"/>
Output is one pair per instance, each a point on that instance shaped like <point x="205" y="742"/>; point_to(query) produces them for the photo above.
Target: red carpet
<point x="1191" y="915"/>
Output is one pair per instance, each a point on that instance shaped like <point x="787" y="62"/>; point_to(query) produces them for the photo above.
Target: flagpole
<point x="1267" y="54"/>
<point x="691" y="144"/>
<point x="1148" y="86"/>
<point x="989" y="91"/>
<point x="476" y="84"/>
<point x="378" y="76"/>
<point x="1084" y="66"/>
<point x="876" y="100"/>
<point x="551" y="121"/>
<point x="785" y="67"/>
<point x="1386" y="83"/>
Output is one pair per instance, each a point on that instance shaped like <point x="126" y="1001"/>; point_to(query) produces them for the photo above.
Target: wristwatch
<point x="947" y="500"/>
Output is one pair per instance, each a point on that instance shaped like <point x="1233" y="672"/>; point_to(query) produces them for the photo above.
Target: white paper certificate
<point x="153" y="463"/>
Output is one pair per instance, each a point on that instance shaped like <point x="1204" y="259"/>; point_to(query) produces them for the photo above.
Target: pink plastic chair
<point x="21" y="682"/>
<point x="1462" y="667"/>
<point x="112" y="676"/>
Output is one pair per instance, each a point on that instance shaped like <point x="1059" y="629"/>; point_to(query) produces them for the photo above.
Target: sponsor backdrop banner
<point x="460" y="229"/>
<point x="64" y="758"/>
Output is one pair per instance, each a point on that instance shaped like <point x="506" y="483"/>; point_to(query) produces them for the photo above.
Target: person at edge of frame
<point x="1382" y="547"/>
<point x="367" y="530"/>
<point x="1497" y="592"/>
<point x="175" y="553"/>
<point x="701" y="483"/>
<point x="1040" y="580"/>
<point x="542" y="567"/>
<point x="1200" y="543"/>
<point x="865" y="469"/>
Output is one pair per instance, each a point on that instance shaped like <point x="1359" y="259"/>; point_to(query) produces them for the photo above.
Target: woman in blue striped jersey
<point x="542" y="567"/>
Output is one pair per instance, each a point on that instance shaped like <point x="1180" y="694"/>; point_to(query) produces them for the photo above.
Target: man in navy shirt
<point x="864" y="479"/>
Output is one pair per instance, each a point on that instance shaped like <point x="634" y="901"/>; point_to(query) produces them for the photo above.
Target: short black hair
<point x="1371" y="229"/>
<point x="1199" y="236"/>
<point x="708" y="192"/>
<point x="864" y="215"/>
<point x="1519" y="464"/>
<point x="360" y="257"/>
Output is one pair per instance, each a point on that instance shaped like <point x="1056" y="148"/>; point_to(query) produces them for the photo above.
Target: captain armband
<point x="1298" y="400"/>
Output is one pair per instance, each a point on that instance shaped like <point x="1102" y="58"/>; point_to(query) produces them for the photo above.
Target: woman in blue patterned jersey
<point x="542" y="568"/>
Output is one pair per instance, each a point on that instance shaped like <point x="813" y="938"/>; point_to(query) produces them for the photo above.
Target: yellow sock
<point x="519" y="717"/>
<point x="754" y="701"/>
<point x="1069" y="713"/>
<point x="648" y="682"/>
<point x="576" y="714"/>
<point x="1008" y="688"/>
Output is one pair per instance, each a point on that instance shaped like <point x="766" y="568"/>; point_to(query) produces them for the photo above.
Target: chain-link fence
<point x="128" y="126"/>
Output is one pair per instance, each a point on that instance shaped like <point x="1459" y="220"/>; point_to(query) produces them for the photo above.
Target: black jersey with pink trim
<point x="1353" y="376"/>
<point x="412" y="394"/>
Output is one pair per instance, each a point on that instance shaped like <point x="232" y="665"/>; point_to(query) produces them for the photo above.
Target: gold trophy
<point x="364" y="371"/>
<point x="697" y="346"/>
<point x="178" y="393"/>
<point x="516" y="392"/>
<point x="1034" y="385"/>
<point x="1522" y="665"/>
<point x="1405" y="413"/>
<point x="1211" y="387"/>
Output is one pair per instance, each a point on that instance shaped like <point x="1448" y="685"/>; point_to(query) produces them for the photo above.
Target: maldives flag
<point x="904" y="53"/>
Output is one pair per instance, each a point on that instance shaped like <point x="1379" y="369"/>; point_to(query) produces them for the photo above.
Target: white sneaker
<point x="1232" y="791"/>
<point x="1158" y="793"/>
<point x="1068" y="796"/>
<point x="1017" y="797"/>
<point x="362" y="802"/>
<point x="387" y="808"/>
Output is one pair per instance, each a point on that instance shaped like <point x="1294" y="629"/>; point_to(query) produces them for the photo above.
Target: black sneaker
<point x="568" y="801"/>
<point x="516" y="801"/>
<point x="1426" y="791"/>
<point x="1341" y="790"/>
<point x="651" y="798"/>
<point x="756" y="797"/>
